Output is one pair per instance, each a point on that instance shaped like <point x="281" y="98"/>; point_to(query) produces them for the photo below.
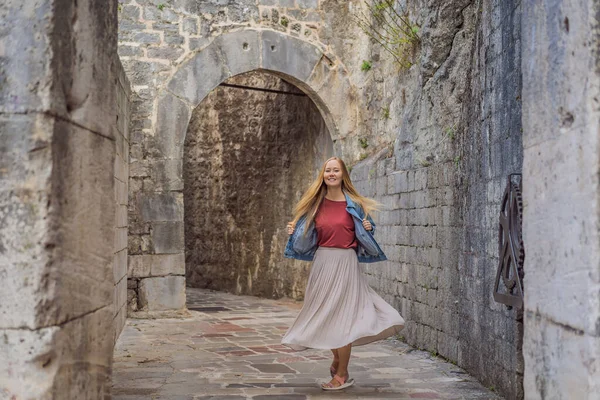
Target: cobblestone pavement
<point x="229" y="349"/>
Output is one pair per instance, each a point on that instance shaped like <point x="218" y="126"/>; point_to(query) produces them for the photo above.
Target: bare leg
<point x="336" y="359"/>
<point x="344" y="360"/>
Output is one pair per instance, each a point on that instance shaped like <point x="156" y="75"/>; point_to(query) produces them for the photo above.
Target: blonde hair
<point x="312" y="198"/>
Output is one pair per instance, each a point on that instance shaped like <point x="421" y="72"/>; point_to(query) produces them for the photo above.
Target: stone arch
<point x="323" y="78"/>
<point x="161" y="275"/>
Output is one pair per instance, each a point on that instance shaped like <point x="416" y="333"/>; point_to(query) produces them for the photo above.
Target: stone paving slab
<point x="230" y="350"/>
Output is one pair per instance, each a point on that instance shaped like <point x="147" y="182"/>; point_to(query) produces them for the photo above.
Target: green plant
<point x="161" y="6"/>
<point x="492" y="388"/>
<point x="284" y="21"/>
<point x="364" y="143"/>
<point x="451" y="133"/>
<point x="363" y="156"/>
<point x="385" y="112"/>
<point x="119" y="8"/>
<point x="366" y="66"/>
<point x="390" y="28"/>
<point x="433" y="353"/>
<point x="456" y="161"/>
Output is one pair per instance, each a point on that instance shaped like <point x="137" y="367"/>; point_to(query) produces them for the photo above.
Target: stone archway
<point x="160" y="276"/>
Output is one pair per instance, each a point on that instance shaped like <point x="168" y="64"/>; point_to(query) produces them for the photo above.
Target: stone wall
<point x="248" y="155"/>
<point x="561" y="90"/>
<point x="441" y="189"/>
<point x="58" y="111"/>
<point x="123" y="94"/>
<point x="439" y="138"/>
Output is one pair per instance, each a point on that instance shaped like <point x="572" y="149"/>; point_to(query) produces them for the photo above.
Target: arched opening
<point x="251" y="148"/>
<point x="158" y="278"/>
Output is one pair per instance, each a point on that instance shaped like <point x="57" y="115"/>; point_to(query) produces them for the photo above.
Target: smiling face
<point x="333" y="174"/>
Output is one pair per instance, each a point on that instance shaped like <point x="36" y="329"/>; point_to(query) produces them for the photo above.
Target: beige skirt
<point x="340" y="307"/>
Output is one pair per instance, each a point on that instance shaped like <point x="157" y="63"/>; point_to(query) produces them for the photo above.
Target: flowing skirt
<point x="340" y="307"/>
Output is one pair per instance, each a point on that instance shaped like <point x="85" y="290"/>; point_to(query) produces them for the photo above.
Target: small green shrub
<point x="390" y="28"/>
<point x="364" y="143"/>
<point x="385" y="112"/>
<point x="363" y="156"/>
<point x="284" y="21"/>
<point x="161" y="6"/>
<point x="366" y="66"/>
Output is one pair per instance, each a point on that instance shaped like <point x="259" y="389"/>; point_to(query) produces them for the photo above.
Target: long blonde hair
<point x="312" y="198"/>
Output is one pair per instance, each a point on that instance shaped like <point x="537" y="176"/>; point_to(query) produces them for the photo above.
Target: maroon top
<point x="335" y="227"/>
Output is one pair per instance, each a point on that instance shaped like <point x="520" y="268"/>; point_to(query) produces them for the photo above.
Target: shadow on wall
<point x="252" y="148"/>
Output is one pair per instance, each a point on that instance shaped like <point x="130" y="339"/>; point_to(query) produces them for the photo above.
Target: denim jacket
<point x="303" y="247"/>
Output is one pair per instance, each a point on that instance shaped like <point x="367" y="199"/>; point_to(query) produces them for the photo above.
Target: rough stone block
<point x="288" y="55"/>
<point x="240" y="50"/>
<point x="167" y="237"/>
<point x="146" y="38"/>
<point x="308" y="3"/>
<point x="165" y="52"/>
<point x="132" y="300"/>
<point x="401" y="181"/>
<point x="161" y="207"/>
<point x="162" y="293"/>
<point x="141" y="266"/>
<point x="172" y="121"/>
<point x="121" y="216"/>
<point x="120" y="265"/>
<point x="79" y="350"/>
<point x="119" y="296"/>
<point x="190" y="26"/>
<point x="130" y="51"/>
<point x="196" y="78"/>
<point x="168" y="174"/>
<point x="173" y="38"/>
<point x="119" y="321"/>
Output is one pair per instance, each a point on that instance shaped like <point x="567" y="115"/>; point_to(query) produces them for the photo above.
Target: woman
<point x="332" y="227"/>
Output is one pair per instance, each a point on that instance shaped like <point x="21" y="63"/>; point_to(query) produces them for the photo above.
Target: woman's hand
<point x="367" y="224"/>
<point x="290" y="228"/>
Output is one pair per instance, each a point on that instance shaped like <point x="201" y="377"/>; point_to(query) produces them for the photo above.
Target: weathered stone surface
<point x="24" y="224"/>
<point x="141" y="266"/>
<point x="294" y="57"/>
<point x="59" y="310"/>
<point x="308" y="3"/>
<point x="167" y="237"/>
<point x="167" y="174"/>
<point x="198" y="76"/>
<point x="561" y="164"/>
<point x="236" y="190"/>
<point x="162" y="293"/>
<point x="51" y="347"/>
<point x="173" y="117"/>
<point x="240" y="50"/>
<point x="167" y="53"/>
<point x="161" y="207"/>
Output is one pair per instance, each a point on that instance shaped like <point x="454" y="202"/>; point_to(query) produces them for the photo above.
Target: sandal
<point x="344" y="383"/>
